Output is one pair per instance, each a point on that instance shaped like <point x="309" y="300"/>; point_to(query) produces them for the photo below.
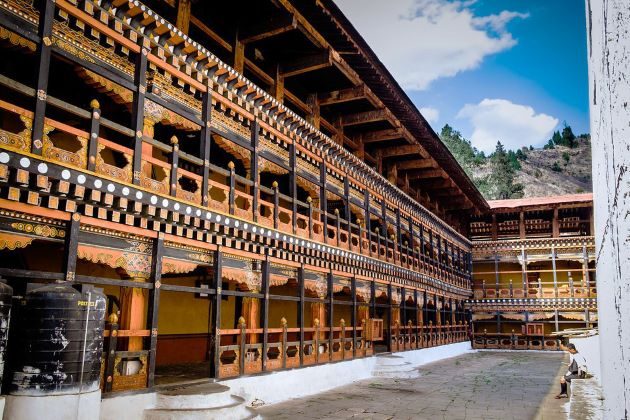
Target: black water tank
<point x="61" y="341"/>
<point x="6" y="294"/>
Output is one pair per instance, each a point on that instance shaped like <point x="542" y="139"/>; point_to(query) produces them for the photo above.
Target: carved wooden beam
<point x="382" y="135"/>
<point x="431" y="173"/>
<point x="263" y="30"/>
<point x="343" y="95"/>
<point x="366" y="117"/>
<point x="417" y="164"/>
<point x="307" y="63"/>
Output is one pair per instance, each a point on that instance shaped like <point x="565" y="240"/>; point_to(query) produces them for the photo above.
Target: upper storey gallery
<point x="275" y="112"/>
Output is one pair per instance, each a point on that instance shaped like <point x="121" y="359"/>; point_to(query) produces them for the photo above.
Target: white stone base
<point x="276" y="387"/>
<point x="53" y="407"/>
<point x="589" y="348"/>
<point x="127" y="407"/>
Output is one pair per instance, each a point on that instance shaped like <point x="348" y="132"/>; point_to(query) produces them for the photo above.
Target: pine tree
<point x="502" y="175"/>
<point x="568" y="138"/>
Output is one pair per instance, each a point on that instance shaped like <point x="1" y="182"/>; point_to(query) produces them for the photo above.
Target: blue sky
<point x="509" y="70"/>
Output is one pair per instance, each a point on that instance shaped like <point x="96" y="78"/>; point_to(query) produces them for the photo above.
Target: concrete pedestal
<point x="54" y="407"/>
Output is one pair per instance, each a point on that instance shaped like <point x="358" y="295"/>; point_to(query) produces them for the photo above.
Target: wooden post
<point x="300" y="279"/>
<point x="555" y="224"/>
<point x="242" y="345"/>
<point x="183" y="15"/>
<point x="555" y="274"/>
<point x="44" y="31"/>
<point x="323" y="201"/>
<point x="137" y="110"/>
<point x="265" y="270"/>
<point x="368" y="222"/>
<point x="331" y="323"/>
<point x="276" y="204"/>
<point x="254" y="175"/>
<point x="338" y="225"/>
<point x="94" y="132"/>
<point x="206" y="141"/>
<point x="215" y="348"/>
<point x="389" y="318"/>
<point x="353" y="316"/>
<point x="283" y="345"/>
<point x="110" y="362"/>
<point x="232" y="181"/>
<point x="373" y="299"/>
<point x="153" y="306"/>
<point x="521" y="225"/>
<point x="71" y="247"/>
<point x="309" y="200"/>
<point x="346" y="203"/>
<point x="174" y="165"/>
<point x="293" y="185"/>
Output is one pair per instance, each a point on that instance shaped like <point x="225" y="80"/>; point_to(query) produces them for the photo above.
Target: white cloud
<point x="514" y="125"/>
<point x="432" y="115"/>
<point x="423" y="40"/>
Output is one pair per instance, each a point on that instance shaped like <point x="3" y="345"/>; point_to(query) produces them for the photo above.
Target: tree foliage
<point x="503" y="174"/>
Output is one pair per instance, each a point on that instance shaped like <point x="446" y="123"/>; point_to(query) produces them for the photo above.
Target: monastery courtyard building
<point x="208" y="207"/>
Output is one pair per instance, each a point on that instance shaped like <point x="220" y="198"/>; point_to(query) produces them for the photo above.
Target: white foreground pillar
<point x="608" y="32"/>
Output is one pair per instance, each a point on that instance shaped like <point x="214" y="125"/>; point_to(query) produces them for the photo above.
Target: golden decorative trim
<point x="13" y="241"/>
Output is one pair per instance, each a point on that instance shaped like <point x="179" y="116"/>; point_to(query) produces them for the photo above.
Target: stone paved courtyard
<point x="482" y="385"/>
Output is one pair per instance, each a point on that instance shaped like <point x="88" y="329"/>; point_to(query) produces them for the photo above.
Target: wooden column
<point x="314" y="116"/>
<point x="494" y="228"/>
<point x="137" y="110"/>
<point x="205" y="141"/>
<point x="183" y="15"/>
<point x="293" y="184"/>
<point x="368" y="221"/>
<point x="44" y="31"/>
<point x="265" y="269"/>
<point x="389" y="318"/>
<point x="133" y="301"/>
<point x="323" y="201"/>
<point x="555" y="224"/>
<point x="331" y="319"/>
<point x="254" y="175"/>
<point x="215" y="315"/>
<point x="277" y="89"/>
<point x="521" y="225"/>
<point x="300" y="280"/>
<point x="71" y="246"/>
<point x="238" y="61"/>
<point x="94" y="132"/>
<point x="154" y="301"/>
<point x="555" y="274"/>
<point x="353" y="316"/>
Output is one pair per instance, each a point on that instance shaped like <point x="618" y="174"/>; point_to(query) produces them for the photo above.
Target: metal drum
<point x="61" y="341"/>
<point x="6" y="294"/>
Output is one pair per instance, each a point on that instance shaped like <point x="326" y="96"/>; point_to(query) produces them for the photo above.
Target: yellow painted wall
<point x="183" y="313"/>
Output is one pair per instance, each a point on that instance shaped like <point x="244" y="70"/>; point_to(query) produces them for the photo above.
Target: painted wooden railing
<point x="512" y="341"/>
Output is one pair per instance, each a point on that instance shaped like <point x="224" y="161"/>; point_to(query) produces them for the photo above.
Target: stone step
<point x="199" y="396"/>
<point x="199" y="401"/>
<point x="234" y="411"/>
